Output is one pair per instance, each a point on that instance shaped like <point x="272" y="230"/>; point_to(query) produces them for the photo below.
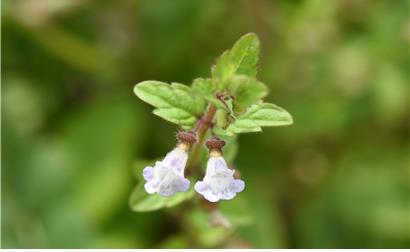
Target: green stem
<point x="203" y="125"/>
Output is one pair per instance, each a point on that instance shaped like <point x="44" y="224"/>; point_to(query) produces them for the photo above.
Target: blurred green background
<point x="73" y="131"/>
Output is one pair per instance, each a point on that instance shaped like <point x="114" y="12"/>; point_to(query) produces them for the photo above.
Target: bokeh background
<point x="73" y="132"/>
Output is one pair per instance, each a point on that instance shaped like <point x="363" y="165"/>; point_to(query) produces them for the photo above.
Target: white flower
<point x="219" y="183"/>
<point x="167" y="177"/>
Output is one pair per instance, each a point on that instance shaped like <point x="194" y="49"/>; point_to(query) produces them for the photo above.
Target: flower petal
<point x="182" y="185"/>
<point x="151" y="186"/>
<point x="176" y="159"/>
<point x="148" y="173"/>
<point x="201" y="187"/>
<point x="227" y="194"/>
<point x="165" y="191"/>
<point x="170" y="186"/>
<point x="237" y="186"/>
<point x="210" y="196"/>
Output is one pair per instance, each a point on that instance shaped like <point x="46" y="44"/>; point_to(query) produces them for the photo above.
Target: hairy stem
<point x="202" y="127"/>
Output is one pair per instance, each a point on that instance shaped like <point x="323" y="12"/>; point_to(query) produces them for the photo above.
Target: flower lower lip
<point x="219" y="182"/>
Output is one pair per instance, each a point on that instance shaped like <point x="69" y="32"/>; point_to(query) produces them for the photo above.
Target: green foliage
<point x="233" y="89"/>
<point x="207" y="89"/>
<point x="241" y="59"/>
<point x="246" y="91"/>
<point x="175" y="103"/>
<point x="258" y="115"/>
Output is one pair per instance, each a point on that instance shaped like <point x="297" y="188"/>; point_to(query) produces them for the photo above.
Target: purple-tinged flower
<point x="167" y="176"/>
<point x="219" y="182"/>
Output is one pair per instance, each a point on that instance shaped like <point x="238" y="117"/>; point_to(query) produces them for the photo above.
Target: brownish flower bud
<point x="187" y="137"/>
<point x="214" y="143"/>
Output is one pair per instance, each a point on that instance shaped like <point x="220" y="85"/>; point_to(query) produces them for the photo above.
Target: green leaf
<point x="246" y="90"/>
<point x="223" y="69"/>
<point x="221" y="118"/>
<point x="258" y="116"/>
<point x="225" y="115"/>
<point x="141" y="201"/>
<point x="245" y="54"/>
<point x="175" y="103"/>
<point x="204" y="88"/>
<point x="241" y="59"/>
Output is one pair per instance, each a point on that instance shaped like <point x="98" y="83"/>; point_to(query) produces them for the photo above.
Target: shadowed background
<point x="73" y="131"/>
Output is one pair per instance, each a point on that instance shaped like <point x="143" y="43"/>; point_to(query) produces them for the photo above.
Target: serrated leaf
<point x="258" y="116"/>
<point x="141" y="201"/>
<point x="241" y="59"/>
<point x="175" y="103"/>
<point x="246" y="90"/>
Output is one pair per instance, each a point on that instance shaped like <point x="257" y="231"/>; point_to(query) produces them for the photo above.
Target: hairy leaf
<point x="175" y="103"/>
<point x="258" y="116"/>
<point x="241" y="59"/>
<point x="246" y="90"/>
<point x="204" y="88"/>
<point x="245" y="54"/>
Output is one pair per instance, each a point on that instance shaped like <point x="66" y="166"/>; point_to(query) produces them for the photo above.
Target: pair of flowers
<point x="167" y="176"/>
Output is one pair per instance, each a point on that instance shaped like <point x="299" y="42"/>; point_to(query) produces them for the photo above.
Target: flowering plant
<point x="222" y="106"/>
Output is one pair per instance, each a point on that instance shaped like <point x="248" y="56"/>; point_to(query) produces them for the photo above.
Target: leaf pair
<point x="233" y="90"/>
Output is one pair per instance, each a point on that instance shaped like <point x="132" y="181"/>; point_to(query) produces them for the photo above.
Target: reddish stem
<point x="201" y="128"/>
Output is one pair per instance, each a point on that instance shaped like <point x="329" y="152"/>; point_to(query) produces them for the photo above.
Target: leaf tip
<point x="250" y="36"/>
<point x="137" y="88"/>
<point x="289" y="117"/>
